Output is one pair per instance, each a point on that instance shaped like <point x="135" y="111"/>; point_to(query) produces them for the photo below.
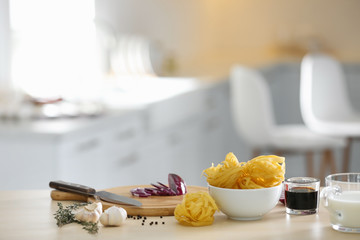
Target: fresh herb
<point x="65" y="215"/>
<point x="89" y="226"/>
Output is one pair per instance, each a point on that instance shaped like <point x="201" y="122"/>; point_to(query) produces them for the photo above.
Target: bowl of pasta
<point x="245" y="204"/>
<point x="246" y="190"/>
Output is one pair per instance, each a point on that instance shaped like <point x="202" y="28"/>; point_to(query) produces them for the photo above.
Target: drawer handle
<point x="212" y="124"/>
<point x="128" y="160"/>
<point x="125" y="135"/>
<point x="85" y="146"/>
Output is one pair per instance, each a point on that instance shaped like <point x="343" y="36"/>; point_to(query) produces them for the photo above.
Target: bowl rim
<point x="243" y="190"/>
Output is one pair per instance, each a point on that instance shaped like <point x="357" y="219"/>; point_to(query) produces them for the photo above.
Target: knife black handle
<point x="72" y="187"/>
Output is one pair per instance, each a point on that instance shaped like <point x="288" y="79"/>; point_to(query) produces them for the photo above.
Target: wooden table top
<point x="29" y="215"/>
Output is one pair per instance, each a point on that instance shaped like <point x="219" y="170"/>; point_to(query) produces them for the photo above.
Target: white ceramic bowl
<point x="245" y="204"/>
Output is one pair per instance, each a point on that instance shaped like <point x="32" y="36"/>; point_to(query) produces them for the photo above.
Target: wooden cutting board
<point x="151" y="206"/>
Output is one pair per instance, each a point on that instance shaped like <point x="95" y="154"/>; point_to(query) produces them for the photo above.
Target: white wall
<point x="180" y="26"/>
<point x="212" y="34"/>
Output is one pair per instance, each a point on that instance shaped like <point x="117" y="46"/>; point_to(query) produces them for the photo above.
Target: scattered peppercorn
<point x="143" y="218"/>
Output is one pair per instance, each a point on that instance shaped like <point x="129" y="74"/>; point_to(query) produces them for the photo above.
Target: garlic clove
<point x="89" y="213"/>
<point x="96" y="206"/>
<point x="91" y="207"/>
<point x="104" y="219"/>
<point x="113" y="216"/>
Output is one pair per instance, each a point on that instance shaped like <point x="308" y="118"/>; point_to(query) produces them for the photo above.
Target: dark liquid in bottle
<point x="301" y="198"/>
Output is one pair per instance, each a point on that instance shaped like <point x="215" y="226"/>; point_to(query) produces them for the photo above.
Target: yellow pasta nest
<point x="260" y="172"/>
<point x="196" y="209"/>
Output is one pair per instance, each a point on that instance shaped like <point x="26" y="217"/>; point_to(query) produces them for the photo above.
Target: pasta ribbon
<point x="196" y="209"/>
<point x="260" y="172"/>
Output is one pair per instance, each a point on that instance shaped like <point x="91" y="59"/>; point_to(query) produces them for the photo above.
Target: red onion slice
<point x="177" y="186"/>
<point x="139" y="192"/>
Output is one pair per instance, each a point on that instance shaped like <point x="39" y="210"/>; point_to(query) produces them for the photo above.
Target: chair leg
<point x="278" y="153"/>
<point x="256" y="152"/>
<point x="346" y="156"/>
<point x="310" y="164"/>
<point x="327" y="161"/>
<point x="322" y="167"/>
<point x="331" y="161"/>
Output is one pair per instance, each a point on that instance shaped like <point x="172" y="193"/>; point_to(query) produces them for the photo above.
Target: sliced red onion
<point x="164" y="189"/>
<point x="177" y="184"/>
<point x="171" y="191"/>
<point x="139" y="192"/>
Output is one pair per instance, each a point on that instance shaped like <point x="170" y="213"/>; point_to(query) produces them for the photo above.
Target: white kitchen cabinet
<point x="191" y="145"/>
<point x="100" y="158"/>
<point x="183" y="135"/>
<point x="201" y="146"/>
<point x="26" y="166"/>
<point x="169" y="113"/>
<point x="174" y="144"/>
<point x="173" y="151"/>
<point x="121" y="160"/>
<point x="80" y="160"/>
<point x="78" y="150"/>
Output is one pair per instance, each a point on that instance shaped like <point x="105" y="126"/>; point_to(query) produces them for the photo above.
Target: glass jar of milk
<point x="341" y="197"/>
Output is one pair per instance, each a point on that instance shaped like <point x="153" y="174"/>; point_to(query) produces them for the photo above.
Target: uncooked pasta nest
<point x="260" y="172"/>
<point x="196" y="209"/>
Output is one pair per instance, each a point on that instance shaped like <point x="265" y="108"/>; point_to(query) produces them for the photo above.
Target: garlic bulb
<point x="113" y="216"/>
<point x="89" y="213"/>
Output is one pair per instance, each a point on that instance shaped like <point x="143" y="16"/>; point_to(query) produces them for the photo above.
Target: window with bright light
<point x="54" y="48"/>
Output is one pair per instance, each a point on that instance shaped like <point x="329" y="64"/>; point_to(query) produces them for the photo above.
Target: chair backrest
<point x="251" y="106"/>
<point x="323" y="93"/>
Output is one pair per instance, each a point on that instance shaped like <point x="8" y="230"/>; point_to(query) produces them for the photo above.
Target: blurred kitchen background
<point x="121" y="92"/>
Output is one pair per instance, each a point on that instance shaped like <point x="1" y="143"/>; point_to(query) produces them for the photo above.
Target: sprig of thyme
<point x="65" y="215"/>
<point x="90" y="227"/>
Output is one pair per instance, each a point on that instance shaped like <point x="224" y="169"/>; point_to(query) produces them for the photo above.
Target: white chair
<point x="254" y="120"/>
<point x="324" y="101"/>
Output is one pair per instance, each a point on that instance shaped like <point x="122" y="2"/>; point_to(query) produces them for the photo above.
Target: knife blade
<point x="88" y="191"/>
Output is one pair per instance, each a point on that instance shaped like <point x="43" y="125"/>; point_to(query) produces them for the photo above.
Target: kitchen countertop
<point x="29" y="215"/>
<point x="49" y="129"/>
<point x="119" y="102"/>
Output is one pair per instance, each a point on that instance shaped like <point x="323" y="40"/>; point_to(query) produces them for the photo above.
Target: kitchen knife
<point x="88" y="191"/>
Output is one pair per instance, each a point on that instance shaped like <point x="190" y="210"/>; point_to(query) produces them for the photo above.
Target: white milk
<point x="345" y="209"/>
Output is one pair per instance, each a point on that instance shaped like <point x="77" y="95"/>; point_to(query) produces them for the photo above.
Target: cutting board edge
<point x="167" y="210"/>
